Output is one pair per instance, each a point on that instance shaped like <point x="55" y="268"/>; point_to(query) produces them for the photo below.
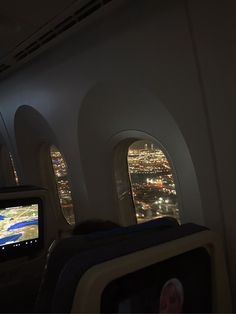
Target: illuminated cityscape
<point x="62" y="182"/>
<point x="152" y="182"/>
<point x="153" y="187"/>
<point x="14" y="169"/>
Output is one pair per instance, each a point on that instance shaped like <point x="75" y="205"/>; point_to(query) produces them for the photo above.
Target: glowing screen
<point x="18" y="223"/>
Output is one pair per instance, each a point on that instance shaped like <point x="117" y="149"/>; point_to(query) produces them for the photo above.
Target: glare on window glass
<point x="152" y="182"/>
<point x="62" y="182"/>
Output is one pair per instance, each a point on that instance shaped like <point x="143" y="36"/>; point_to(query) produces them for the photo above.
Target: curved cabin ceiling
<point x="28" y="27"/>
<point x="21" y="19"/>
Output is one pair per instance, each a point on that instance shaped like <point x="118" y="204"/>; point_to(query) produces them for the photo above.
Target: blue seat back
<point x="125" y="244"/>
<point x="69" y="247"/>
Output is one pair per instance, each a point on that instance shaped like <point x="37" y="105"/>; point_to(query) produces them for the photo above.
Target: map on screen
<point x="18" y="223"/>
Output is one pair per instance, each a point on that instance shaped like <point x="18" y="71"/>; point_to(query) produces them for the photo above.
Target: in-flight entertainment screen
<point x="19" y="224"/>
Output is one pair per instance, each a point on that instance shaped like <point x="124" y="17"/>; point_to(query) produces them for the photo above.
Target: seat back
<point x="195" y="254"/>
<point x="69" y="247"/>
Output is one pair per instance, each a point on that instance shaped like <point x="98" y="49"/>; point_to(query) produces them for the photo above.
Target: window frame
<point x="124" y="200"/>
<point x="8" y="177"/>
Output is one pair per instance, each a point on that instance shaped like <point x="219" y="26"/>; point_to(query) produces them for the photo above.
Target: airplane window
<point x="14" y="169"/>
<point x="152" y="183"/>
<point x="62" y="182"/>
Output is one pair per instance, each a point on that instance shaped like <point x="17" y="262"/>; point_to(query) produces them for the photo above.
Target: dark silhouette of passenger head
<point x="93" y="225"/>
<point x="172" y="297"/>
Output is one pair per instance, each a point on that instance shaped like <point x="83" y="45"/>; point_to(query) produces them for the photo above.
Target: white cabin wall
<point x="105" y="131"/>
<point x="214" y="28"/>
<point x="145" y="40"/>
<point x="148" y="40"/>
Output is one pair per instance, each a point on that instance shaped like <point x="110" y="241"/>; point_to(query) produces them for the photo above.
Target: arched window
<point x="14" y="169"/>
<point x="62" y="183"/>
<point x="152" y="182"/>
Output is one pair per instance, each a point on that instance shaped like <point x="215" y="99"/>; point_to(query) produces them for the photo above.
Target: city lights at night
<point x="14" y="169"/>
<point x="152" y="182"/>
<point x="62" y="182"/>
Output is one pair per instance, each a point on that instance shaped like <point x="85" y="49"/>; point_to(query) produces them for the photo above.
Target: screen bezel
<point x="26" y="247"/>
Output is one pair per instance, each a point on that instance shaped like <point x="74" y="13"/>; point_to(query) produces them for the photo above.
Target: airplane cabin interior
<point x="117" y="156"/>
